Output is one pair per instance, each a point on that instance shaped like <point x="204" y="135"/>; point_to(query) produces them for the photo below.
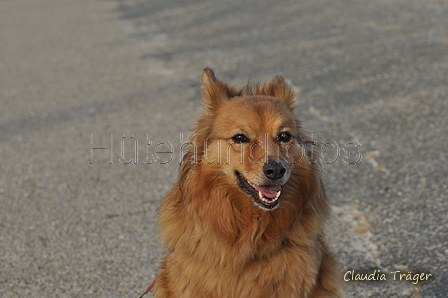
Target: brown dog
<point x="245" y="218"/>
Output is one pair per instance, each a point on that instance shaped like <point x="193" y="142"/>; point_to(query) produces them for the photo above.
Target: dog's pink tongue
<point x="269" y="191"/>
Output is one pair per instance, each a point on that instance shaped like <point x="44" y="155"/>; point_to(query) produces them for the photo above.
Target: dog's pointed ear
<point x="215" y="91"/>
<point x="278" y="88"/>
<point x="208" y="77"/>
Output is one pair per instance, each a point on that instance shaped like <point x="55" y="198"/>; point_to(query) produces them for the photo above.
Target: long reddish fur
<point x="219" y="244"/>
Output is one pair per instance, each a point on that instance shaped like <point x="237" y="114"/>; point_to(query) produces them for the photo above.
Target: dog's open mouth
<point x="265" y="196"/>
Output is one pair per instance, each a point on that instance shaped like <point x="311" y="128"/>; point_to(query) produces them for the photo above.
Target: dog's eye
<point x="240" y="138"/>
<point x="284" y="137"/>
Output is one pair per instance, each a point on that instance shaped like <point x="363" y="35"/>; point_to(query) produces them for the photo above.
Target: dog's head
<point x="250" y="134"/>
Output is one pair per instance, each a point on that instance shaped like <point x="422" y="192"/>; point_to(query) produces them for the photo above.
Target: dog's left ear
<point x="215" y="91"/>
<point x="278" y="88"/>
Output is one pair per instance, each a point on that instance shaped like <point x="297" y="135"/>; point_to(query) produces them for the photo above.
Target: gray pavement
<point x="77" y="75"/>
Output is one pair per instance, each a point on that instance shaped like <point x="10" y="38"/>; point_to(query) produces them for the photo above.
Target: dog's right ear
<point x="215" y="91"/>
<point x="208" y="77"/>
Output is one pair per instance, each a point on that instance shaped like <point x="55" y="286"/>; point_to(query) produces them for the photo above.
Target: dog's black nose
<point x="274" y="170"/>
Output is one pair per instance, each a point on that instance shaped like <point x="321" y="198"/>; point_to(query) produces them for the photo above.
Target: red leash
<point x="148" y="289"/>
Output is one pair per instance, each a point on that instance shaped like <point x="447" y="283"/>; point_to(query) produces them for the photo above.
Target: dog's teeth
<point x="260" y="195"/>
<point x="278" y="194"/>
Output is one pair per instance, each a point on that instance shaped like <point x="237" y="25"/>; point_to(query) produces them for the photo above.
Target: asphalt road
<point x="75" y="75"/>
